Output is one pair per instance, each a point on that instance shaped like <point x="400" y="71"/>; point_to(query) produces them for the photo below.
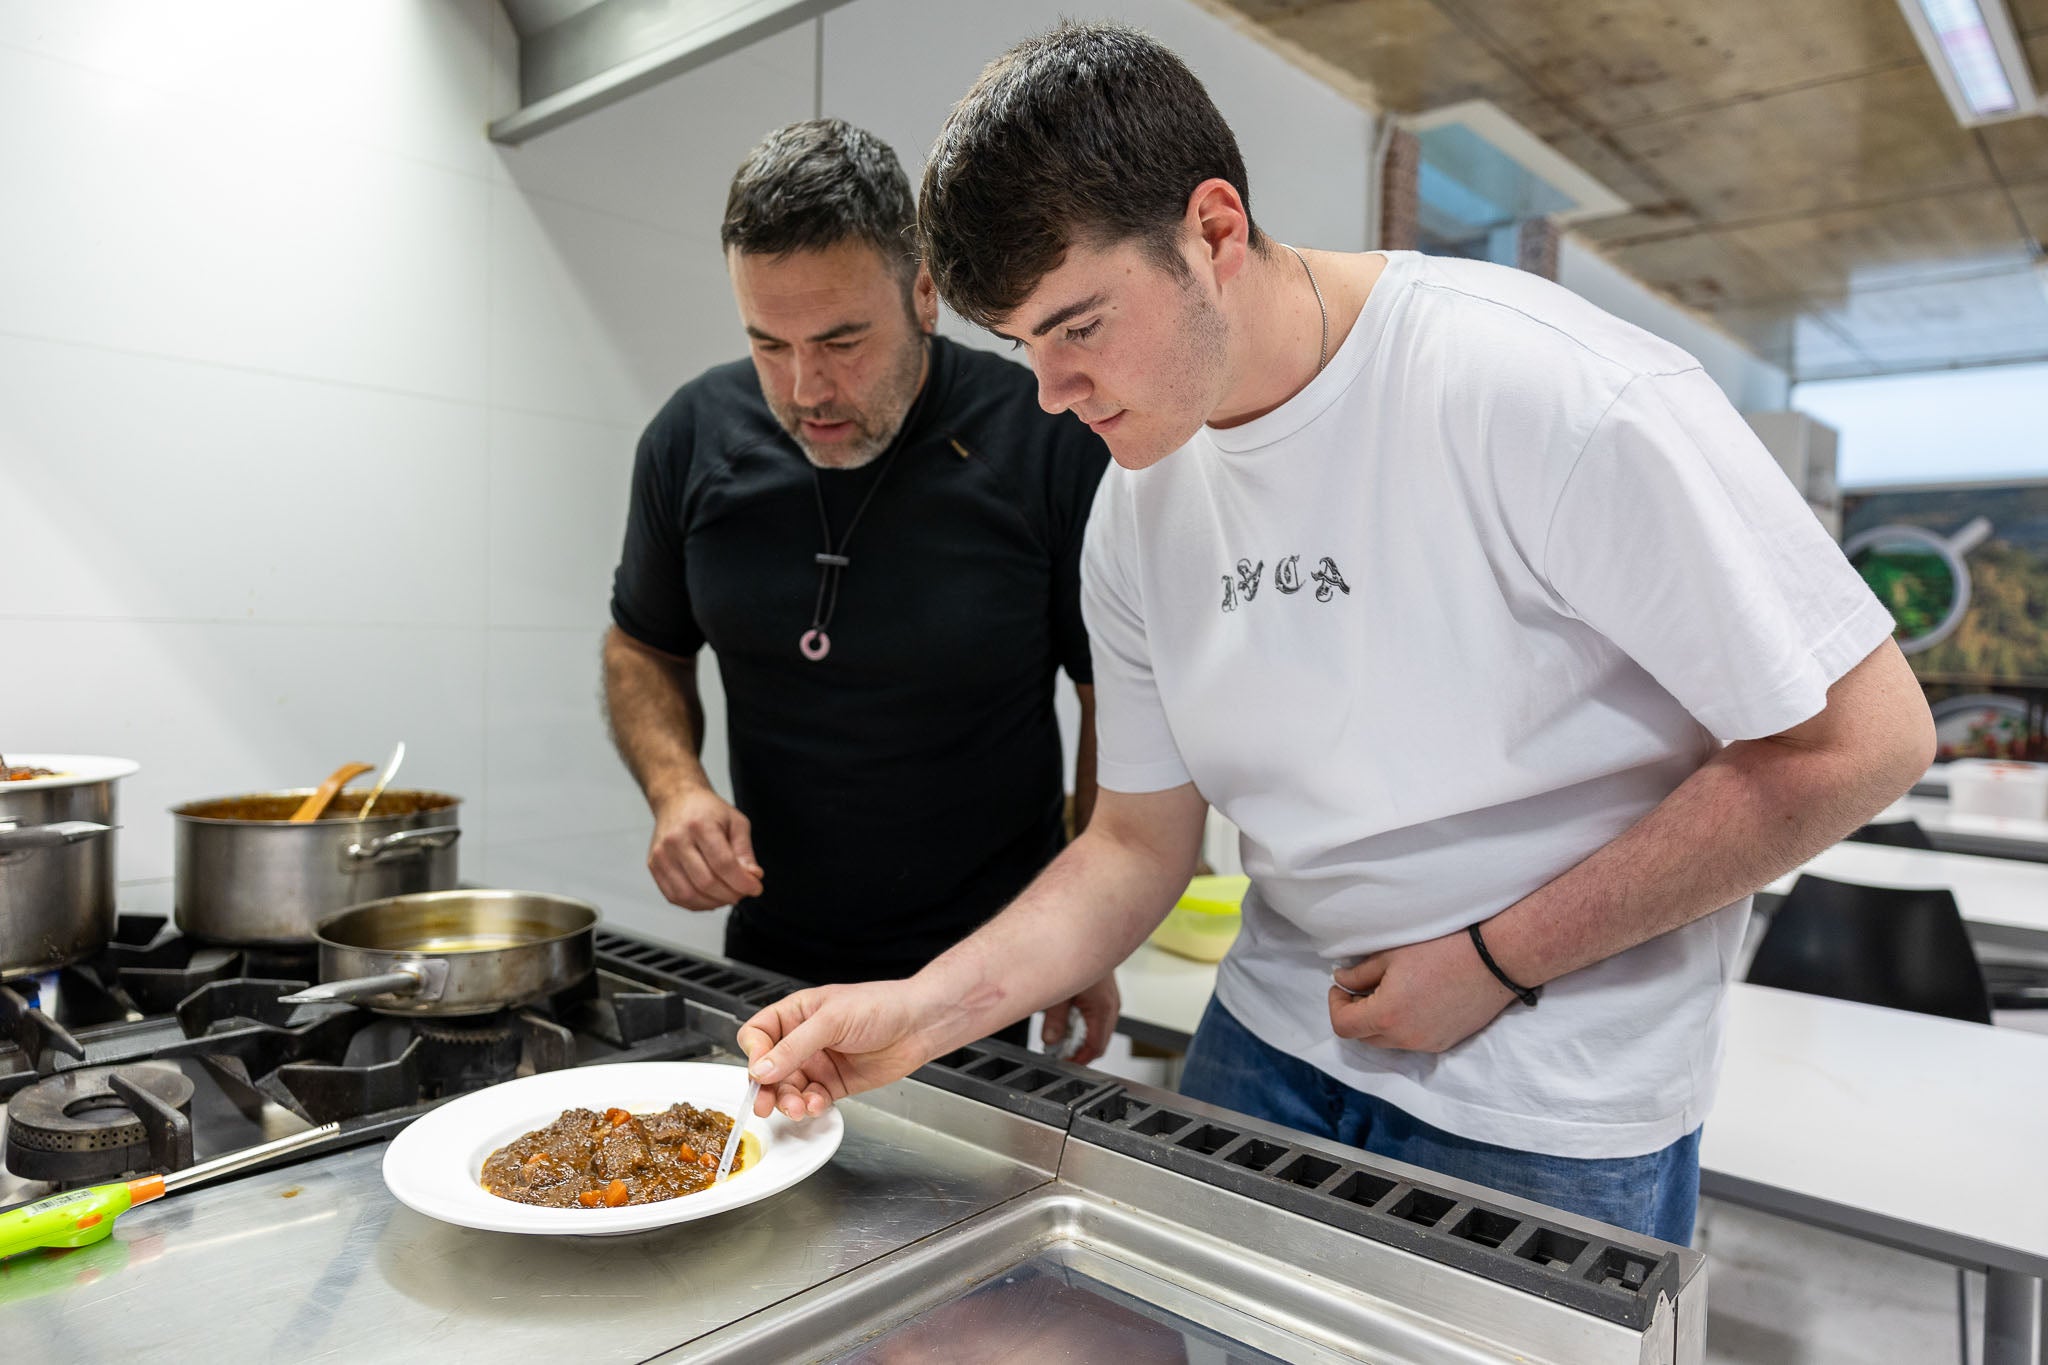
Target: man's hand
<point x="825" y="1043"/>
<point x="702" y="856"/>
<point x="1098" y="1005"/>
<point x="1423" y="997"/>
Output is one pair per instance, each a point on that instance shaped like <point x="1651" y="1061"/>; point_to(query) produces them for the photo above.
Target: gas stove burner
<point x="77" y="1125"/>
<point x="479" y="1032"/>
<point x="462" y="1054"/>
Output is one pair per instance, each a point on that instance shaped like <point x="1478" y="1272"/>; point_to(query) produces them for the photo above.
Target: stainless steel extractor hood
<point x="580" y="55"/>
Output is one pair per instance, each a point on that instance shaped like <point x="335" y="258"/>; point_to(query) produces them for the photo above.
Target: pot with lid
<point x="56" y="858"/>
<point x="246" y="874"/>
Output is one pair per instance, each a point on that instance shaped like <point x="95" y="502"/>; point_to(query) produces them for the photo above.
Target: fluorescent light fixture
<point x="1976" y="56"/>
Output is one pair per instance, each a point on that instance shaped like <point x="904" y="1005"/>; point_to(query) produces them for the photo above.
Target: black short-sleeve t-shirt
<point x="907" y="785"/>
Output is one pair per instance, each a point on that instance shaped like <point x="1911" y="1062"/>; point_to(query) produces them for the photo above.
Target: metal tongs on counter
<point x="739" y="1126"/>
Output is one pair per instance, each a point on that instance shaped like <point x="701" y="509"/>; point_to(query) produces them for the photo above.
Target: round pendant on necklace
<point x="815" y="645"/>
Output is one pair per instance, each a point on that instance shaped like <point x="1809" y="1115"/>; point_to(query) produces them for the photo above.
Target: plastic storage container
<point x="1205" y="922"/>
<point x="1985" y="786"/>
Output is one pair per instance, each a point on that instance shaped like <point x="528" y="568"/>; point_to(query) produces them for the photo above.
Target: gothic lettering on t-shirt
<point x="1244" y="584"/>
<point x="1248" y="577"/>
<point x="1329" y="580"/>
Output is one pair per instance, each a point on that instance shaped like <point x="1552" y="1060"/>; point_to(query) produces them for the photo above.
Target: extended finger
<point x="798" y="1046"/>
<point x="770" y="1024"/>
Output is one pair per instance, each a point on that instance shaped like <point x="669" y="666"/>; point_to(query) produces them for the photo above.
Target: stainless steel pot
<point x="453" y="952"/>
<point x="246" y="874"/>
<point x="57" y="861"/>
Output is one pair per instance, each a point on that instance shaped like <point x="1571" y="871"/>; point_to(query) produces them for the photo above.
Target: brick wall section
<point x="1536" y="247"/>
<point x="1399" y="192"/>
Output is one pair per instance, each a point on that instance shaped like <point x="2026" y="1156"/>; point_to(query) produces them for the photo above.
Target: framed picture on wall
<point x="1964" y="570"/>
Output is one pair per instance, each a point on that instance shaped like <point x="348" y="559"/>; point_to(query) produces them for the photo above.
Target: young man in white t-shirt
<point x="1479" y="611"/>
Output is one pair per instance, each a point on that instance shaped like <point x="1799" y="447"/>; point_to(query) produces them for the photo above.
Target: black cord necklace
<point x="832" y="560"/>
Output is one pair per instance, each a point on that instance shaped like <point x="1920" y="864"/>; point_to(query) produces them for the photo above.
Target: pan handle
<point x="34" y="838"/>
<point x="406" y="843"/>
<point x="424" y="979"/>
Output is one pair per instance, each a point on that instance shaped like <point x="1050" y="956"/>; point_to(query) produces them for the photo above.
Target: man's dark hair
<point x="816" y="184"/>
<point x="1092" y="134"/>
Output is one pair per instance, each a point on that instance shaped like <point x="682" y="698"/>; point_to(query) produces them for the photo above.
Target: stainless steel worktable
<point x="318" y="1262"/>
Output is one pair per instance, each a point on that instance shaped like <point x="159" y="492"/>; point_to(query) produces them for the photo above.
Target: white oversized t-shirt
<point x="1453" y="617"/>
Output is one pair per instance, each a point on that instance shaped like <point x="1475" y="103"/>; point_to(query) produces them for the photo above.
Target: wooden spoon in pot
<point x="313" y="806"/>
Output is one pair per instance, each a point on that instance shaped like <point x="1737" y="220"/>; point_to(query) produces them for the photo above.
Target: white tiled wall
<point x="317" y="408"/>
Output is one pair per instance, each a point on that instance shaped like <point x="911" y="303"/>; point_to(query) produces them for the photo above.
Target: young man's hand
<point x="1422" y="997"/>
<point x="702" y="855"/>
<point x="820" y="1045"/>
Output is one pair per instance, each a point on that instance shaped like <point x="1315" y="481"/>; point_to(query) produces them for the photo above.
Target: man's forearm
<point x="1088" y="911"/>
<point x="656" y="717"/>
<point x="1756" y="810"/>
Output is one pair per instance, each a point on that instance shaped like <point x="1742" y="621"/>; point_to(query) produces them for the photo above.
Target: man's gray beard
<point x="871" y="442"/>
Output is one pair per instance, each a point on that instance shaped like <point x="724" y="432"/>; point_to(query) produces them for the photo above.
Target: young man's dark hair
<point x="1091" y="133"/>
<point x="816" y="184"/>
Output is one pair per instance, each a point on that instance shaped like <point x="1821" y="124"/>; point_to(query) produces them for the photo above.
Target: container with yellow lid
<point x="1205" y="922"/>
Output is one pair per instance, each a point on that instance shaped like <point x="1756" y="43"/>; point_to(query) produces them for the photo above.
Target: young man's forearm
<point x="656" y="717"/>
<point x="1088" y="911"/>
<point x="1756" y="810"/>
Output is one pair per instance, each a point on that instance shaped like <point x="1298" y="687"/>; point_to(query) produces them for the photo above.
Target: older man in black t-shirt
<point x="878" y="533"/>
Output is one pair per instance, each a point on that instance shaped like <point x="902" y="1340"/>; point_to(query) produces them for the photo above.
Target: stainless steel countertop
<point x="325" y="1265"/>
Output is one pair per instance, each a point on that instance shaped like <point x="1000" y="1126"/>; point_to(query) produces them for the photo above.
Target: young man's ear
<point x="1220" y="227"/>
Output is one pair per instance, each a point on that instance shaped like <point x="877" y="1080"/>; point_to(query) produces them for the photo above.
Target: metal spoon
<point x="383" y="780"/>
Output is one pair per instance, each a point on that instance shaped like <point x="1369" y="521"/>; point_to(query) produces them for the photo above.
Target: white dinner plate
<point x="73" y="770"/>
<point x="435" y="1165"/>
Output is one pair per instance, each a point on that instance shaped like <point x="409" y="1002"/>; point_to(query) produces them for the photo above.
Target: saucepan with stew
<point x="453" y="952"/>
<point x="247" y="873"/>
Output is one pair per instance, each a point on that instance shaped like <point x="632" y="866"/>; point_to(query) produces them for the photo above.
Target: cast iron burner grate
<point x="28" y="1028"/>
<point x="159" y="967"/>
<point x="98" y="1123"/>
<point x="331" y="1062"/>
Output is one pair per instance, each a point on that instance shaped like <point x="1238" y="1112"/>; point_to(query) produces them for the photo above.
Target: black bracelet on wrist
<point x="1528" y="995"/>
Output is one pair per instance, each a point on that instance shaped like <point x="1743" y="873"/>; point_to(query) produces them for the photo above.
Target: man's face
<point x="1137" y="352"/>
<point x="839" y="353"/>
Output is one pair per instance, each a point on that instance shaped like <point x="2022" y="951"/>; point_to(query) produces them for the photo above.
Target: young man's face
<point x="840" y="355"/>
<point x="1138" y="353"/>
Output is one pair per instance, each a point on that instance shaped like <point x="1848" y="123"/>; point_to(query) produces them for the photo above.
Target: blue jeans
<point x="1655" y="1194"/>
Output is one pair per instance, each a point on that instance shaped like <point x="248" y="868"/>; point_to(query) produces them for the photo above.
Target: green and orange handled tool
<point x="78" y="1218"/>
